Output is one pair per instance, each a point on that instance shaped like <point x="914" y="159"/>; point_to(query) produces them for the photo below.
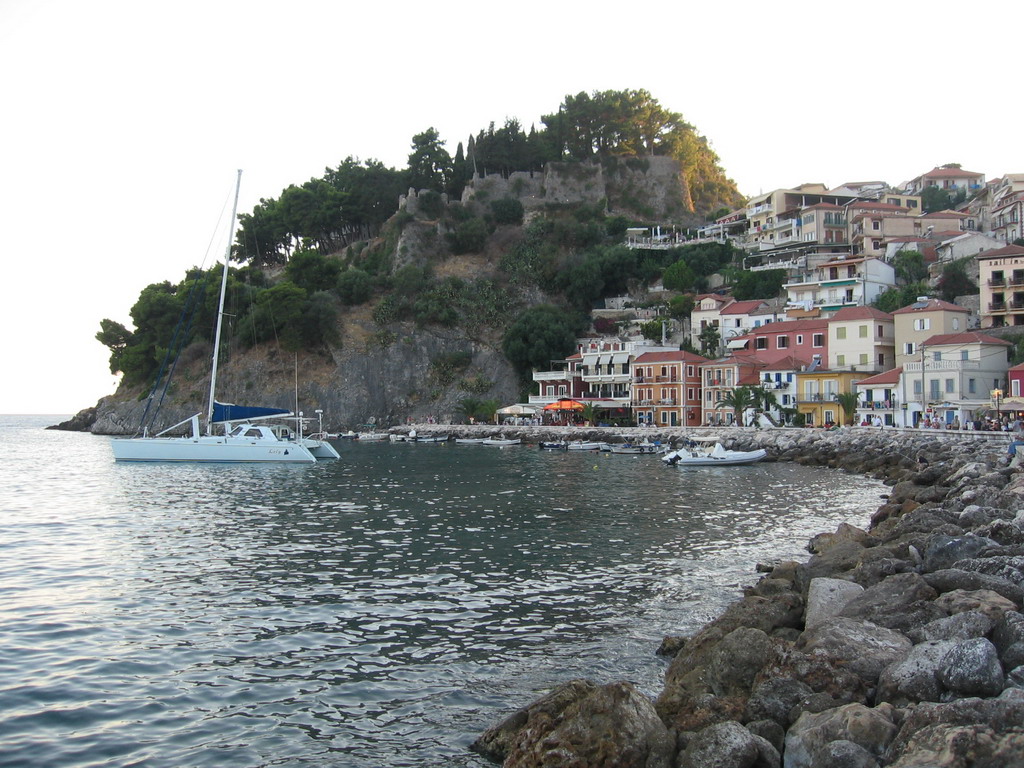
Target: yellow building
<point x="816" y="395"/>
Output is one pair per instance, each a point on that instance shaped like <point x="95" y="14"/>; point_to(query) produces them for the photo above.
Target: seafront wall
<point x="901" y="645"/>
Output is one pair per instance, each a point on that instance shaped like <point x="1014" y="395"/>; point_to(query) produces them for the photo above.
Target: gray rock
<point x="860" y="646"/>
<point x="942" y="551"/>
<point x="1008" y="630"/>
<point x="915" y="677"/>
<point x="827" y="597"/>
<point x="1008" y="567"/>
<point x="774" y="698"/>
<point x="737" y="659"/>
<point x="958" y="578"/>
<point x="983" y="601"/>
<point x="1013" y="656"/>
<point x="899" y="602"/>
<point x="1015" y="679"/>
<point x="960" y="626"/>
<point x="981" y="733"/>
<point x="580" y="723"/>
<point x="975" y="516"/>
<point x="809" y="740"/>
<point x="770" y="731"/>
<point x="728" y="745"/>
<point x="972" y="668"/>
<point x="846" y="754"/>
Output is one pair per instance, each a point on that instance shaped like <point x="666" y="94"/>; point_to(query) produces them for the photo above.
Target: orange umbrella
<point x="564" y="405"/>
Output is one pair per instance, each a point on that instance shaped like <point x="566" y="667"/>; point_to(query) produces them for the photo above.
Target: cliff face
<point x="388" y="375"/>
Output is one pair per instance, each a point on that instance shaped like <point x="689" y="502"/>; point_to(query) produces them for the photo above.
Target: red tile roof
<point x="879" y="379"/>
<point x="743" y="307"/>
<point x="861" y="313"/>
<point x="675" y="356"/>
<point x="949" y="173"/>
<point x="931" y="305"/>
<point x="1009" y="250"/>
<point x="967" y="337"/>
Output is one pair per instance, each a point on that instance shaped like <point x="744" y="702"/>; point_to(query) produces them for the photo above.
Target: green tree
<point x="430" y="165"/>
<point x="469" y="236"/>
<point x="469" y="407"/>
<point x="678" y="277"/>
<point x="710" y="341"/>
<point x="848" y="402"/>
<point x="354" y="286"/>
<point x="589" y="414"/>
<point x="740" y="399"/>
<point x="115" y="337"/>
<point x="763" y="284"/>
<point x="507" y="210"/>
<point x="955" y="282"/>
<point x="539" y="335"/>
<point x="910" y="266"/>
<point x="935" y="199"/>
<point x="897" y="298"/>
<point x="312" y="271"/>
<point x="653" y="329"/>
<point x="681" y="306"/>
<point x="763" y="400"/>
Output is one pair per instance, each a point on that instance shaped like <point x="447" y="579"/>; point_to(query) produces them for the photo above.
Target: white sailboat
<point x="242" y="440"/>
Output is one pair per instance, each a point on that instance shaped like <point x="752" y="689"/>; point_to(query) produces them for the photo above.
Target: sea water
<point x="383" y="609"/>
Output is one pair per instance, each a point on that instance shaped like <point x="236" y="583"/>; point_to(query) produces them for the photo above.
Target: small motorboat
<point x="469" y="440"/>
<point x="553" y="446"/>
<point x="500" y="441"/>
<point x="431" y="438"/>
<point x="636" y="449"/>
<point x="716" y="457"/>
<point x="350" y="435"/>
<point x="367" y="437"/>
<point x="585" y="445"/>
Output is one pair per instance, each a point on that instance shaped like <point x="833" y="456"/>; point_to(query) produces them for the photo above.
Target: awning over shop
<point x="564" y="405"/>
<point x="519" y="409"/>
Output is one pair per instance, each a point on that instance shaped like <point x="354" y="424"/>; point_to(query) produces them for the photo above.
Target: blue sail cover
<point x="229" y="412"/>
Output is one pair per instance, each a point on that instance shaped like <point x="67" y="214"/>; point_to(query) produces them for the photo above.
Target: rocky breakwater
<point x="902" y="645"/>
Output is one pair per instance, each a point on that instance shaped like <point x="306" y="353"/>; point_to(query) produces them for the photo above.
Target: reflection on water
<point x="383" y="609"/>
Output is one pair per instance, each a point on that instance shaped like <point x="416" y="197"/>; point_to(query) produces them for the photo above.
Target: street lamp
<point x="996" y="394"/>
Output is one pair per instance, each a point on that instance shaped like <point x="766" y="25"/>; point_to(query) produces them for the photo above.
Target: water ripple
<point x="383" y="609"/>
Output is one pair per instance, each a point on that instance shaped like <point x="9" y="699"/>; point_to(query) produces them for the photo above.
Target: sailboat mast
<point x="220" y="307"/>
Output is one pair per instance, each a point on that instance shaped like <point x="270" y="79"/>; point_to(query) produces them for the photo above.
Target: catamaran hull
<point x="203" y="449"/>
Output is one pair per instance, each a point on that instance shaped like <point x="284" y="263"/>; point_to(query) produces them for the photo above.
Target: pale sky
<point x="124" y="121"/>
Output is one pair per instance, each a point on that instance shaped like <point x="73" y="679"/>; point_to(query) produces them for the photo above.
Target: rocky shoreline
<point x="901" y="646"/>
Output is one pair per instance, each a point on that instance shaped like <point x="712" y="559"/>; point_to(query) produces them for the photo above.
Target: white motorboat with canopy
<point x="242" y="440"/>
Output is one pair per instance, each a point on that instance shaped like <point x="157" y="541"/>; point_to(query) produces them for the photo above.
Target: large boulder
<point x="737" y="659"/>
<point x="580" y="723"/>
<point x="899" y="602"/>
<point x="942" y="551"/>
<point x="915" y="677"/>
<point x="808" y="741"/>
<point x="968" y="733"/>
<point x="983" y="601"/>
<point x="728" y="745"/>
<point x="827" y="597"/>
<point x="959" y="626"/>
<point x="859" y="646"/>
<point x="972" y="668"/>
<point x="961" y="578"/>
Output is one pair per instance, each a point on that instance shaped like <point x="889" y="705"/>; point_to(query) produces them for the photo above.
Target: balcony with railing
<point x="562" y="375"/>
<point x="757" y="210"/>
<point x="943" y="365"/>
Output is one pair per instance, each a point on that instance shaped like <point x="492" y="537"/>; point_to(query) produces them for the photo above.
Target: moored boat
<point x="585" y="445"/>
<point x="716" y="457"/>
<point x="500" y="441"/>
